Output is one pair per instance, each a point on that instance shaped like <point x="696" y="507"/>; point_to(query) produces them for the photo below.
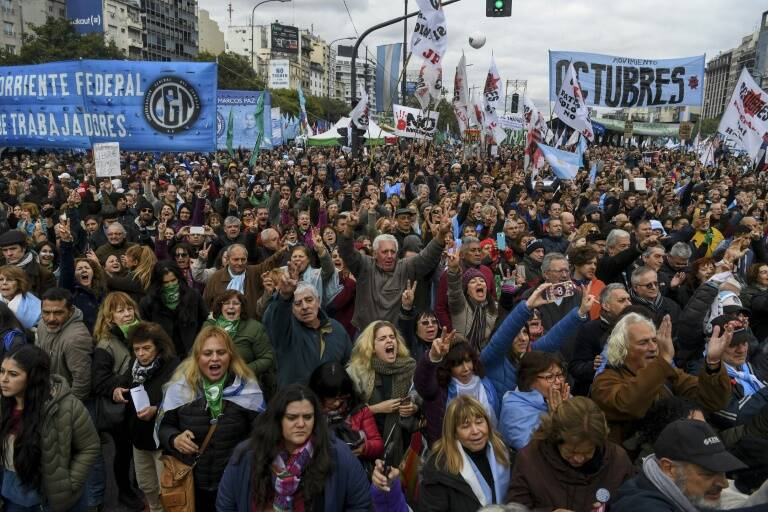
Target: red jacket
<point x="363" y="420"/>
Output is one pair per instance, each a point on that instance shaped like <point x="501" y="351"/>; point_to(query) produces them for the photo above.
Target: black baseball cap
<point x="696" y="442"/>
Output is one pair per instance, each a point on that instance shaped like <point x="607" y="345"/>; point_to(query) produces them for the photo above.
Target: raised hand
<point x="287" y="286"/>
<point x="317" y="242"/>
<point x="677" y="279"/>
<point x="441" y="345"/>
<point x="452" y="259"/>
<point x="587" y="300"/>
<point x="409" y="294"/>
<point x="539" y="296"/>
<point x="717" y="343"/>
<point x="268" y="283"/>
<point x="664" y="339"/>
<point x="203" y="253"/>
<point x="445" y="226"/>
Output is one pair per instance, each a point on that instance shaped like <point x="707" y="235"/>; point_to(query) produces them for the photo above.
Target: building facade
<point x="18" y="16"/>
<point x="211" y="37"/>
<point x="717" y="79"/>
<point x="170" y="30"/>
<point x="123" y="25"/>
<point x="365" y="69"/>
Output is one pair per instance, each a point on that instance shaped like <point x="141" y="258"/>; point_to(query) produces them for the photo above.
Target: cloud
<point x="647" y="29"/>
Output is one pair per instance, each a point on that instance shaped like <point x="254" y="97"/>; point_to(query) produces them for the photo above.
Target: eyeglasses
<point x="649" y="286"/>
<point x="552" y="377"/>
<point x="181" y="254"/>
<point x="562" y="271"/>
<point x="427" y="323"/>
<point x="146" y="210"/>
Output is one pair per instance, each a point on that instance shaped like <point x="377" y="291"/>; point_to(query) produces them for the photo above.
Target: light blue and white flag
<point x="388" y="58"/>
<point x="593" y="174"/>
<point x="564" y="164"/>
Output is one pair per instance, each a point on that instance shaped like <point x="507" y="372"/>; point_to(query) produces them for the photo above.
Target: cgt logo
<point x="171" y="104"/>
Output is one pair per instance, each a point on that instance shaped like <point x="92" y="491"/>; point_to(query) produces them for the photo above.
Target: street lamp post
<point x="253" y="12"/>
<point x="330" y="48"/>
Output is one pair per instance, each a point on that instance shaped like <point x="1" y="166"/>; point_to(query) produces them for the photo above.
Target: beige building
<point x="123" y="25"/>
<point x="211" y="36"/>
<point x="17" y="17"/>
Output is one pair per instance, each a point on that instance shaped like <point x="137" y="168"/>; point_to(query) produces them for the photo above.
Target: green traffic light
<point x="499" y="4"/>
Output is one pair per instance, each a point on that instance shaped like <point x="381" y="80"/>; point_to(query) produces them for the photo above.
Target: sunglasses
<point x="181" y="254"/>
<point x="146" y="210"/>
<point x="427" y="323"/>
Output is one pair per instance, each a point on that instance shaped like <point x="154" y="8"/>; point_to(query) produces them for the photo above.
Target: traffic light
<point x="498" y="8"/>
<point x="515" y="103"/>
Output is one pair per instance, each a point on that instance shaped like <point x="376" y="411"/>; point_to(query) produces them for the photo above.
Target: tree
<point x="234" y="72"/>
<point x="447" y="117"/>
<point x="57" y="40"/>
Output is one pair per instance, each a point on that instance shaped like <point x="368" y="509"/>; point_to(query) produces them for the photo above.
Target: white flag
<point x="361" y="113"/>
<point x="745" y="121"/>
<point x="492" y="100"/>
<point x="460" y="87"/>
<point x="430" y="36"/>
<point x="573" y="139"/>
<point x="570" y="106"/>
<point x="429" y="85"/>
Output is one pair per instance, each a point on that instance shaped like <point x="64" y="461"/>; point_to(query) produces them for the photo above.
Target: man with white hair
<point x="645" y="292"/>
<point x="302" y="334"/>
<point x="116" y="242"/>
<point x="640" y="372"/>
<point x="382" y="278"/>
<point x="620" y="254"/>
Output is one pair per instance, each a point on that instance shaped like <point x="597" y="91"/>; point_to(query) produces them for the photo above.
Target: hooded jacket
<point x="521" y="413"/>
<point x="69" y="444"/>
<point x="70" y="349"/>
<point x="543" y="480"/>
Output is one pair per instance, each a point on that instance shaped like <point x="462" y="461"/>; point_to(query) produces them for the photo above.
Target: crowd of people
<point x="415" y="328"/>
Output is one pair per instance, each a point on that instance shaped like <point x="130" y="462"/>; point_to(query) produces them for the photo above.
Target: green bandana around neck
<point x="171" y="295"/>
<point x="228" y="325"/>
<point x="214" y="392"/>
<point x="127" y="328"/>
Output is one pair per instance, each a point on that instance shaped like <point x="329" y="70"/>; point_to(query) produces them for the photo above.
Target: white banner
<point x="279" y="77"/>
<point x="277" y="126"/>
<point x="361" y="113"/>
<point x="106" y="157"/>
<point x="512" y="121"/>
<point x="745" y="121"/>
<point x="430" y="35"/>
<point x="414" y="123"/>
<point x="570" y="106"/>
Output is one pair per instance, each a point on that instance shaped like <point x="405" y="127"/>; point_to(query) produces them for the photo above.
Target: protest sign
<point x="414" y="123"/>
<point x="106" y="158"/>
<point x="610" y="81"/>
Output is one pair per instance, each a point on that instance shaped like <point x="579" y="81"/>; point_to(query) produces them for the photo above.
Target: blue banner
<point x="145" y="106"/>
<point x="246" y="128"/>
<point x="86" y="15"/>
<point x="620" y="82"/>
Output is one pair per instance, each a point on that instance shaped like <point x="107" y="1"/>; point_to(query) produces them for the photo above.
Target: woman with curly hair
<point x="382" y="369"/>
<point x="292" y="463"/>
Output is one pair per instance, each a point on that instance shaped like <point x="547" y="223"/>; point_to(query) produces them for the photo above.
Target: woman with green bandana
<point x="230" y="312"/>
<point x="212" y="389"/>
<point x="170" y="302"/>
<point x="118" y="316"/>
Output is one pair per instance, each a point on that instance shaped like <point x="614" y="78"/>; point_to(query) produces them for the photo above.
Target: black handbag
<point x="109" y="414"/>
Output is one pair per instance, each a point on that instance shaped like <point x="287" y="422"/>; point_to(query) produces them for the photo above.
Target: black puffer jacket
<point x="234" y="426"/>
<point x="181" y="325"/>
<point x="690" y="332"/>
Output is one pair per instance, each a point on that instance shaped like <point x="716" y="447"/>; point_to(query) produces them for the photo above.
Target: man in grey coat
<point x="66" y="340"/>
<point x="382" y="278"/>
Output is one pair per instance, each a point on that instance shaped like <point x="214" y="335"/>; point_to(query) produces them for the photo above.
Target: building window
<point x="8" y="28"/>
<point x="9" y="48"/>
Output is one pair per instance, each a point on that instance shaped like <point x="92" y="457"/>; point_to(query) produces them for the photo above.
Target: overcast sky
<point x="650" y="29"/>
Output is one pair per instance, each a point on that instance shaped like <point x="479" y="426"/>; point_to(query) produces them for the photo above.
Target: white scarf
<point x="665" y="485"/>
<point x="476" y="390"/>
<point x="236" y="281"/>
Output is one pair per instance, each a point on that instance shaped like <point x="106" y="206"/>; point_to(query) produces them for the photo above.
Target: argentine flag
<point x="564" y="164"/>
